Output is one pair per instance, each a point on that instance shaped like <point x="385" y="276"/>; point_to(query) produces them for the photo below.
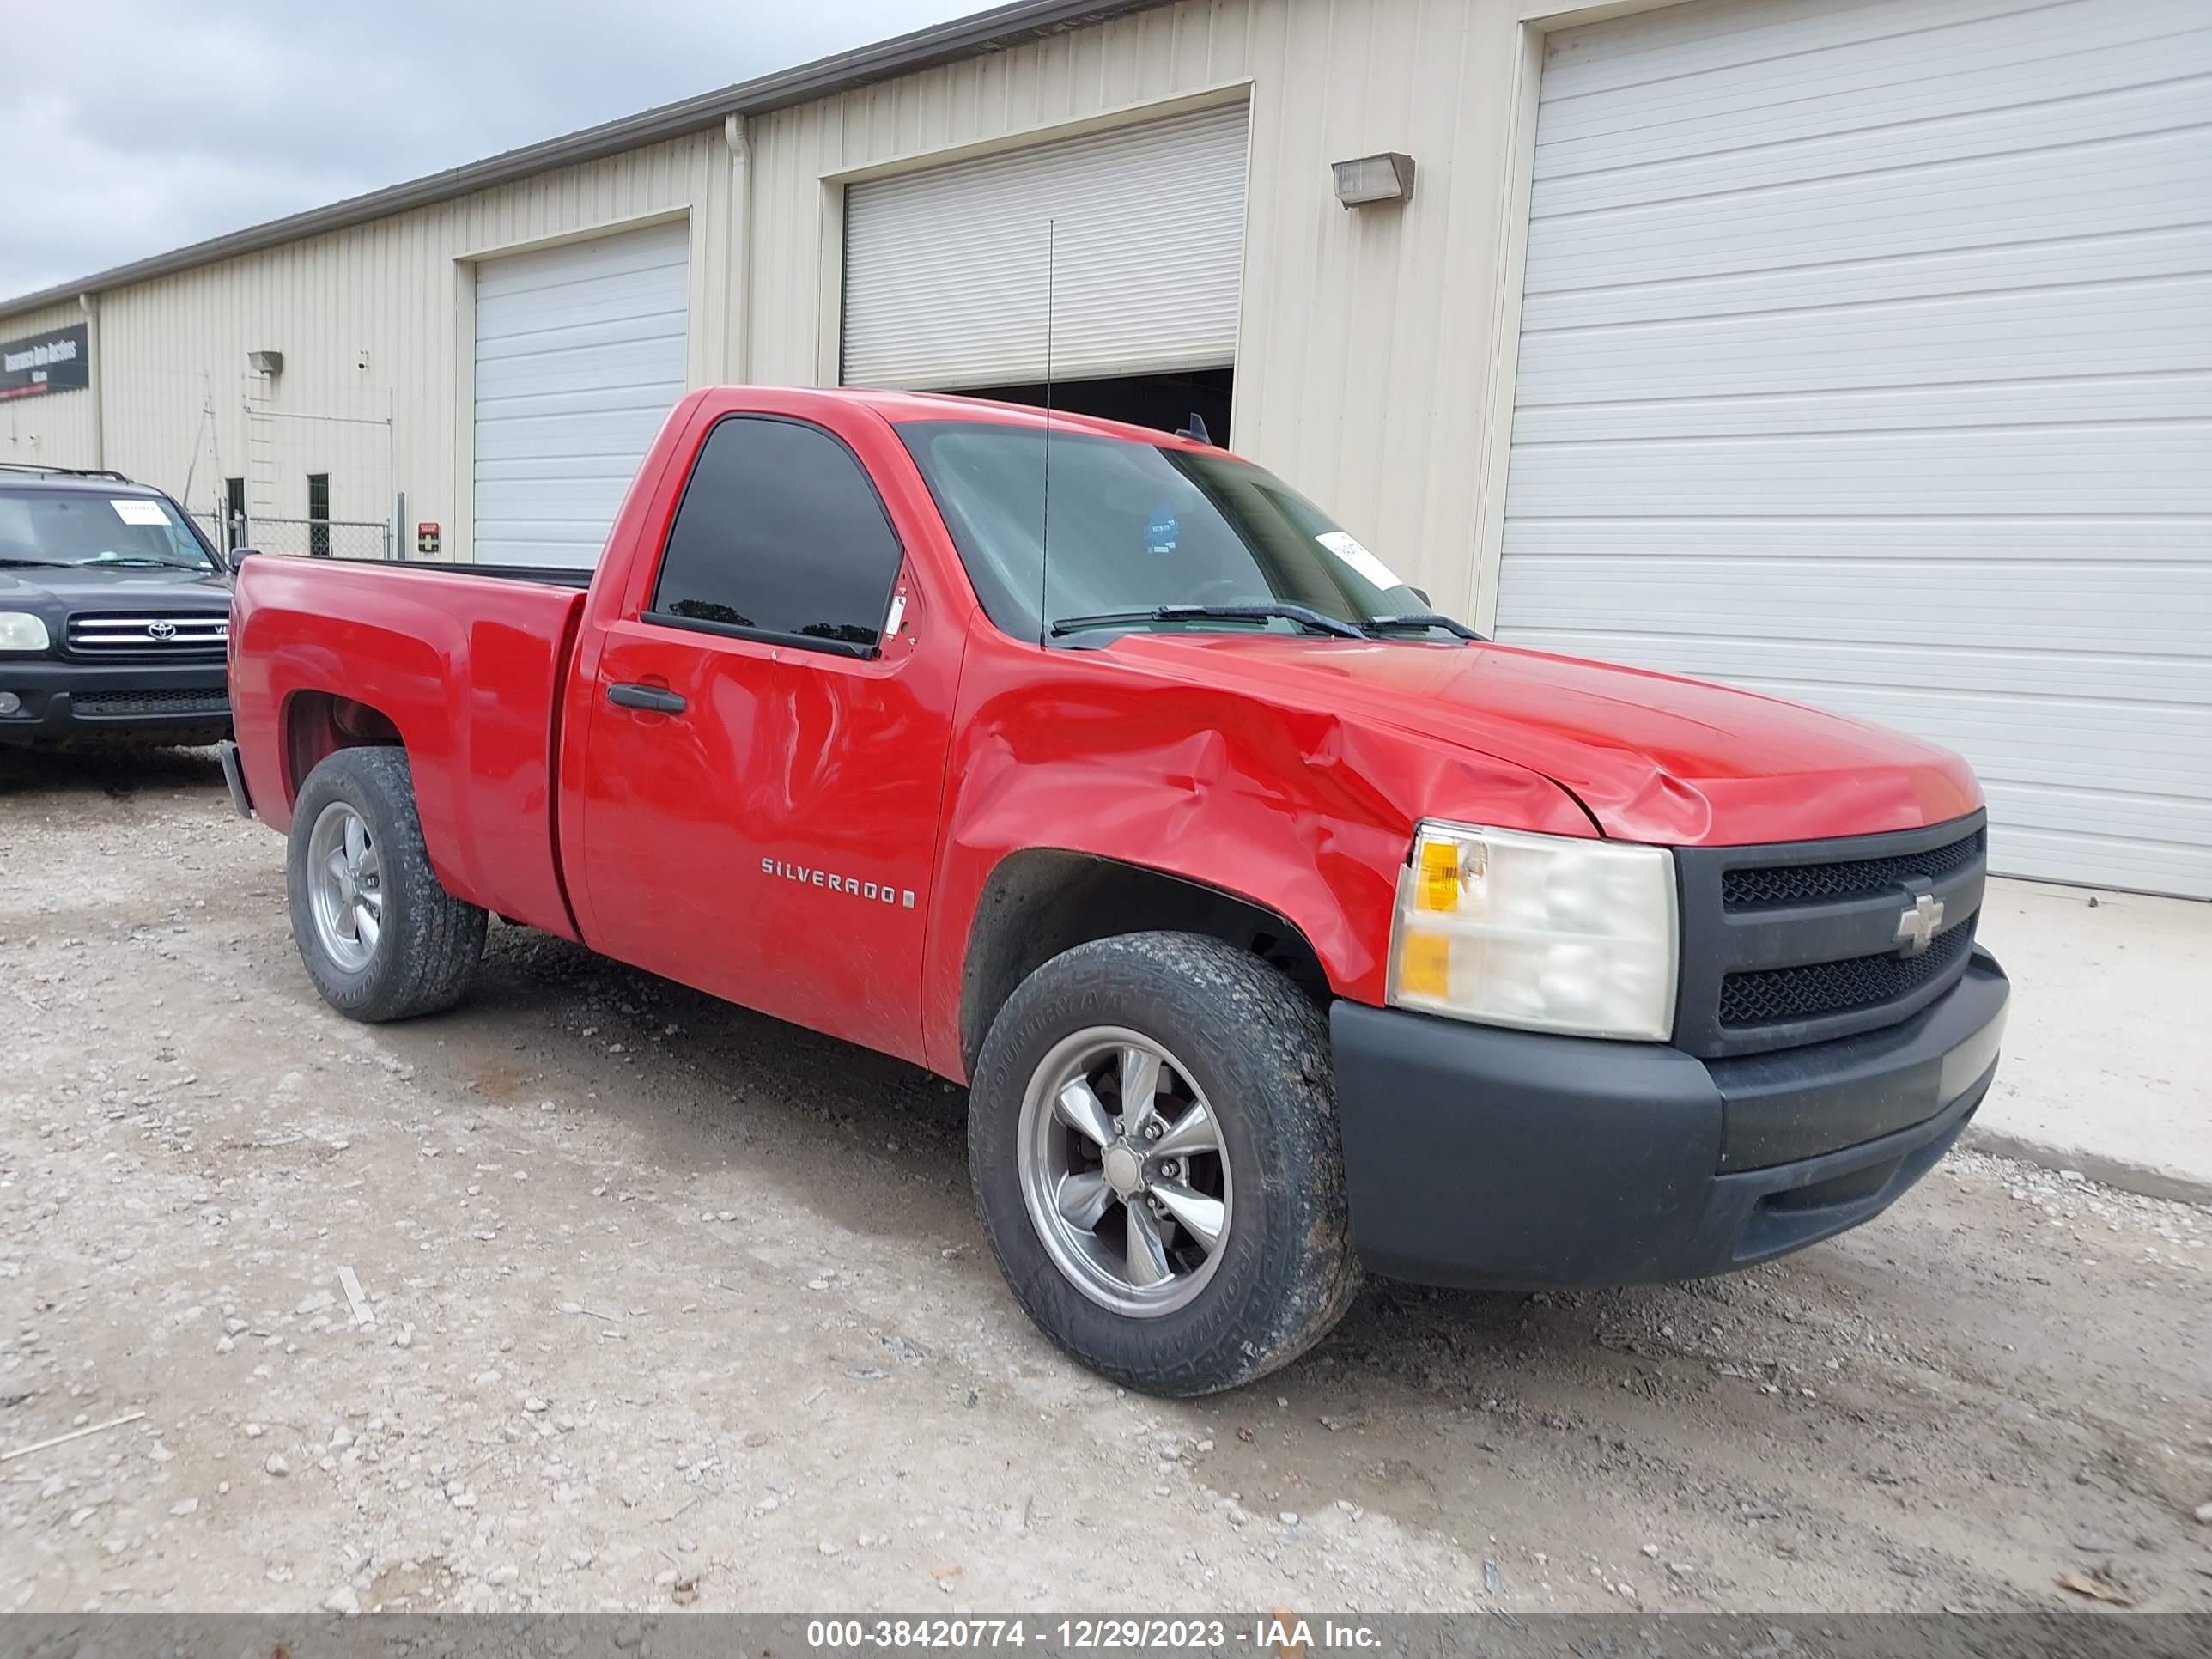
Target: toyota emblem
<point x="161" y="631"/>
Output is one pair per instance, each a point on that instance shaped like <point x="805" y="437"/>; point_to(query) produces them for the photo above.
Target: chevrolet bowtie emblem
<point x="1917" y="925"/>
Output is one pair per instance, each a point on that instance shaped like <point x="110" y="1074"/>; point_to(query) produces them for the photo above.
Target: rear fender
<point x="464" y="672"/>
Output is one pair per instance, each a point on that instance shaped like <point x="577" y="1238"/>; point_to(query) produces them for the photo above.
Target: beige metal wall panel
<point x="1363" y="334"/>
<point x="1365" y="338"/>
<point x="55" y="429"/>
<point x="372" y="323"/>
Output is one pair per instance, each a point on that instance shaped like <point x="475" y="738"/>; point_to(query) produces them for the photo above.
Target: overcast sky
<point x="133" y="126"/>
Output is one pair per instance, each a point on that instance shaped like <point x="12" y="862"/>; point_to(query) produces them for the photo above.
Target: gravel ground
<point x="673" y="1305"/>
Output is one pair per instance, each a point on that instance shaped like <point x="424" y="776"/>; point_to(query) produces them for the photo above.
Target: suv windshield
<point x="84" y="527"/>
<point x="1139" y="528"/>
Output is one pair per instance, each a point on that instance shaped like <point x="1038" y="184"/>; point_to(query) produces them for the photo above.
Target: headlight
<point x="1546" y="933"/>
<point x="21" y="631"/>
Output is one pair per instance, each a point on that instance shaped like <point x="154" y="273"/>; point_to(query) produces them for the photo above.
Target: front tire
<point x="380" y="938"/>
<point x="1153" y="1144"/>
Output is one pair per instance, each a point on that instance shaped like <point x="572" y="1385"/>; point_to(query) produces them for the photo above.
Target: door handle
<point x="657" y="699"/>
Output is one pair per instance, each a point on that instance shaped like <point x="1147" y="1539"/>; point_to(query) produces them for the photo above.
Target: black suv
<point x="115" y="614"/>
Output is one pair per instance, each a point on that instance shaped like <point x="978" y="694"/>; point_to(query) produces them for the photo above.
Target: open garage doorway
<point x="1165" y="402"/>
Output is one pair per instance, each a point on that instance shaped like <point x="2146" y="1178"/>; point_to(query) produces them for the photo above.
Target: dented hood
<point x="1651" y="757"/>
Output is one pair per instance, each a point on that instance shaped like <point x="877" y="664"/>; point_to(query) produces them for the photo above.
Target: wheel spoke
<point x="1080" y="1108"/>
<point x="1201" y="1217"/>
<point x="366" y="925"/>
<point x="370" y="899"/>
<point x="357" y="842"/>
<point x="337" y="866"/>
<point x="1148" y="1256"/>
<point x="1141" y="1082"/>
<point x="1195" y="1131"/>
<point x="1083" y="1198"/>
<point x="345" y="925"/>
<point x="371" y="866"/>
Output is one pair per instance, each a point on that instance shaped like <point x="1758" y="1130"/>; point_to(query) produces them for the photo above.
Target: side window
<point x="780" y="533"/>
<point x="319" y="516"/>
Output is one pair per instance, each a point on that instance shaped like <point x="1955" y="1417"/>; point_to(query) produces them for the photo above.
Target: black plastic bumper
<point x="62" y="701"/>
<point x="1475" y="1156"/>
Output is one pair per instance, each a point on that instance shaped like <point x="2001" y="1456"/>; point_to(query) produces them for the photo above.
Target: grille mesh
<point x="1809" y="884"/>
<point x="151" y="703"/>
<point x="1774" y="996"/>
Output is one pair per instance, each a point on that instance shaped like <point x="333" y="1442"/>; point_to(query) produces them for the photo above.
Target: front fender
<point x="1297" y="810"/>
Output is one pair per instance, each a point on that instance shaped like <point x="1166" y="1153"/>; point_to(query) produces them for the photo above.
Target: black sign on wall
<point x="57" y="361"/>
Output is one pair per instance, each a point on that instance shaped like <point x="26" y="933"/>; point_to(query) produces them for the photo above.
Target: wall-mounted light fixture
<point x="265" y="362"/>
<point x="1385" y="178"/>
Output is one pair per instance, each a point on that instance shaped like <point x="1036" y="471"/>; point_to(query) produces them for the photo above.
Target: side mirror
<point x="239" y="555"/>
<point x="1422" y="594"/>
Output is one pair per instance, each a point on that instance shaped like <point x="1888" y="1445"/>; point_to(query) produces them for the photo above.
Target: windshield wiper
<point x="1422" y="619"/>
<point x="139" y="562"/>
<point x="1295" y="613"/>
<point x="31" y="564"/>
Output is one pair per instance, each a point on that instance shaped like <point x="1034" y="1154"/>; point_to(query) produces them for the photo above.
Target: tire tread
<point x="1272" y="1039"/>
<point x="436" y="939"/>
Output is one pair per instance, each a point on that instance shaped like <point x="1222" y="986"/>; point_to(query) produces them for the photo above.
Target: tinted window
<point x="781" y="533"/>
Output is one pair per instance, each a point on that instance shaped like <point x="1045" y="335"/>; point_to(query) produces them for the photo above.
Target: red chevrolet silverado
<point x="1279" y="927"/>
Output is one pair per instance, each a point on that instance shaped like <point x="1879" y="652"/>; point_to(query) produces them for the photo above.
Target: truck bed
<point x="552" y="575"/>
<point x="468" y="664"/>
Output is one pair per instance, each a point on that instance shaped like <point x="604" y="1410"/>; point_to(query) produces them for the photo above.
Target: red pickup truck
<point x="1279" y="926"/>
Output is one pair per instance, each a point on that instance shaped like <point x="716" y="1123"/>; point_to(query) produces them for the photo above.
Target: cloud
<point x="134" y="126"/>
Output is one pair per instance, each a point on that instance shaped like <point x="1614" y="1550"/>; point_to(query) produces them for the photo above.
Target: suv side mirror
<point x="1422" y="594"/>
<point x="239" y="555"/>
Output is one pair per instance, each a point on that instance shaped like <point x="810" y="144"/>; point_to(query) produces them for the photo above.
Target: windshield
<point x="81" y="527"/>
<point x="1136" y="527"/>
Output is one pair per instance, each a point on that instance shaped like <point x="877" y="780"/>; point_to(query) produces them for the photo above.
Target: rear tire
<point x="380" y="938"/>
<point x="1103" y="1232"/>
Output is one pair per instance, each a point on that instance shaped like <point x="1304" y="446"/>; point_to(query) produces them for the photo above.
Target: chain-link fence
<point x="320" y="539"/>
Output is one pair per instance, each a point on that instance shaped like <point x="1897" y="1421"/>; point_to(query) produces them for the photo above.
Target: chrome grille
<point x="149" y="635"/>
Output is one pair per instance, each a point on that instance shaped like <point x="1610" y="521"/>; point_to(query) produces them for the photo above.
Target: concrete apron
<point x="2107" y="1065"/>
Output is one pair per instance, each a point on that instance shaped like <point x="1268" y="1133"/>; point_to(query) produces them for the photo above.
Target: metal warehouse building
<point x="1857" y="350"/>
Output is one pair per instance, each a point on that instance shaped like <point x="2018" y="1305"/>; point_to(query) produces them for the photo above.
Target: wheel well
<point x="1039" y="904"/>
<point x="320" y="723"/>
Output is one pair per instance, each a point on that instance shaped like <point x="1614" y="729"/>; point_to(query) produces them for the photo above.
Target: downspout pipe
<point x="739" y="140"/>
<point x="89" y="304"/>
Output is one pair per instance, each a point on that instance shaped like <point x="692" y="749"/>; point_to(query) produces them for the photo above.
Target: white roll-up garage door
<point x="944" y="270"/>
<point x="581" y="353"/>
<point x="1867" y="360"/>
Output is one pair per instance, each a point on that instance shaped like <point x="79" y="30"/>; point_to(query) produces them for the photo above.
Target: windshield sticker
<point x="1162" y="533"/>
<point x="1346" y="547"/>
<point x="141" y="513"/>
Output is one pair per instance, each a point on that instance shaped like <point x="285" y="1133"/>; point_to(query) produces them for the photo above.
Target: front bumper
<point x="1475" y="1156"/>
<point x="64" y="701"/>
